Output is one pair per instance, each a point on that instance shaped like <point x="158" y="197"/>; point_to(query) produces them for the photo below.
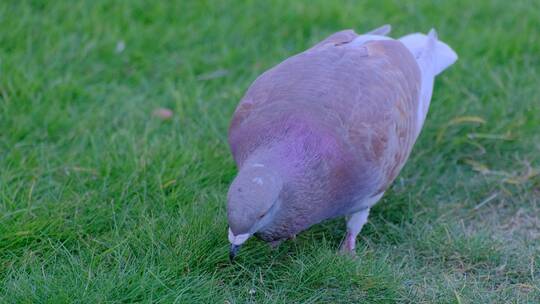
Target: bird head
<point x="252" y="202"/>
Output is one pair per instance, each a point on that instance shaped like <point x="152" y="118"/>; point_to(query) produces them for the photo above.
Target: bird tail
<point x="429" y="50"/>
<point x="433" y="56"/>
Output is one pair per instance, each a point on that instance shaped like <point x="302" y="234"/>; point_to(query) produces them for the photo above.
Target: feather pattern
<point x="338" y="120"/>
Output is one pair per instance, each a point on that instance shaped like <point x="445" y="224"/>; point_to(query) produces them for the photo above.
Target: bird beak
<point x="233" y="251"/>
<point x="236" y="242"/>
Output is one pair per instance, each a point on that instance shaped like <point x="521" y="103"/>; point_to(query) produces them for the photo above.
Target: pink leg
<point x="355" y="222"/>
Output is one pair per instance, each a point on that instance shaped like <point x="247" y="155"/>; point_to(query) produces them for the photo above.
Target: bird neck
<point x="281" y="159"/>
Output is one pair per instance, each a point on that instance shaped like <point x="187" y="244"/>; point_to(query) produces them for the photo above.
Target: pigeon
<point x="324" y="133"/>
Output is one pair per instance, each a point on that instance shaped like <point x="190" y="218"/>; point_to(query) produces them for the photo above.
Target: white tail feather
<point x="419" y="44"/>
<point x="433" y="56"/>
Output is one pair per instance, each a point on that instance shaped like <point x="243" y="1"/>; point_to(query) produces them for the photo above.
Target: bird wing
<point x="257" y="95"/>
<point x="366" y="95"/>
<point x="338" y="38"/>
<point x="382" y="122"/>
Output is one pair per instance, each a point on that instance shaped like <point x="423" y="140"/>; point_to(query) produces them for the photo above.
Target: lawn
<point x="102" y="202"/>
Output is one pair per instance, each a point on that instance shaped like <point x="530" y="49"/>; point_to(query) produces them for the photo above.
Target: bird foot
<point x="349" y="245"/>
<point x="275" y="244"/>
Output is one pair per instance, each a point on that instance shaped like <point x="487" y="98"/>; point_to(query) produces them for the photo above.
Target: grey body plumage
<point x="324" y="133"/>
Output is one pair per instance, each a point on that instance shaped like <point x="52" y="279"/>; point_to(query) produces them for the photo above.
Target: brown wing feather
<point x="338" y="38"/>
<point x="382" y="123"/>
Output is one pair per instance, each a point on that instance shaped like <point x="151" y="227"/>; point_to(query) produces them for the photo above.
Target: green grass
<point x="101" y="202"/>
